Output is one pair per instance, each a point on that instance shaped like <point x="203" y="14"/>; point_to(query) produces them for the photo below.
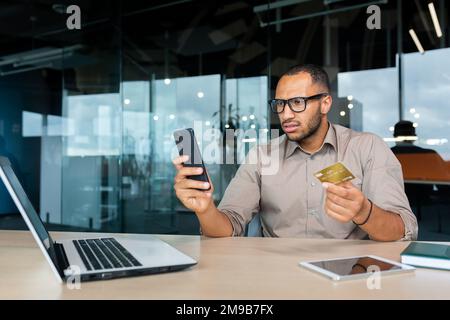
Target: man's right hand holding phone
<point x="192" y="193"/>
<point x="195" y="196"/>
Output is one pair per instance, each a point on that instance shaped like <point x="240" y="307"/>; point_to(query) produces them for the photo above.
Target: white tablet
<point x="356" y="267"/>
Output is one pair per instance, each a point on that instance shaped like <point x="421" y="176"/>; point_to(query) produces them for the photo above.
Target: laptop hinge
<point x="63" y="262"/>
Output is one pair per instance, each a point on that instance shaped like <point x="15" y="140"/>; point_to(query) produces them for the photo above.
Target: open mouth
<point x="290" y="127"/>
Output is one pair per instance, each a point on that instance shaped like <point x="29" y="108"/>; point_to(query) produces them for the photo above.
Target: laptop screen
<point x="25" y="207"/>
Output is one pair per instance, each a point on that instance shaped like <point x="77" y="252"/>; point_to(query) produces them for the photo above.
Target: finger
<point x="339" y="200"/>
<point x="184" y="172"/>
<point x="181" y="159"/>
<point x="178" y="179"/>
<point x="343" y="211"/>
<point x="347" y="185"/>
<point x="177" y="166"/>
<point x="193" y="184"/>
<point x="337" y="190"/>
<point x="336" y="216"/>
<point x="190" y="171"/>
<point x="178" y="161"/>
<point x="192" y="193"/>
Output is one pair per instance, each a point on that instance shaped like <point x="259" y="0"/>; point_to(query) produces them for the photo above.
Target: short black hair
<point x="318" y="74"/>
<point x="404" y="128"/>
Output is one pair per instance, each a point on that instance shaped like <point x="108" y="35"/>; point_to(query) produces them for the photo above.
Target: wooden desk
<point x="229" y="268"/>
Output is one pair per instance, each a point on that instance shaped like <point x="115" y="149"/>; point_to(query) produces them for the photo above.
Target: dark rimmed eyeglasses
<point x="296" y="104"/>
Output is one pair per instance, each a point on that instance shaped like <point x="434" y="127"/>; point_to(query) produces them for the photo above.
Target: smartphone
<point x="187" y="145"/>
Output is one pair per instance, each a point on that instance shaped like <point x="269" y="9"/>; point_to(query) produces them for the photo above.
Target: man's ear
<point x="325" y="106"/>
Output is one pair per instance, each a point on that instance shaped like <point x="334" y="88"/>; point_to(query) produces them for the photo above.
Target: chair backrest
<point x="254" y="228"/>
<point x="424" y="166"/>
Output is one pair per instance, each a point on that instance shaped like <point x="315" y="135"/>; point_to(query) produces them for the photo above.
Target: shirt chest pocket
<point x="357" y="172"/>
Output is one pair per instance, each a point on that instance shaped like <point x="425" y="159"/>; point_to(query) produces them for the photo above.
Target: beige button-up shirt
<point x="277" y="181"/>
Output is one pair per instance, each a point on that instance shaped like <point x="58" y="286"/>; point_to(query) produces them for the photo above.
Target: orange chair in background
<point x="424" y="166"/>
<point x="448" y="166"/>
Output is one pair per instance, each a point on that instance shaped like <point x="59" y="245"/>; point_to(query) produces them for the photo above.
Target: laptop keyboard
<point x="105" y="253"/>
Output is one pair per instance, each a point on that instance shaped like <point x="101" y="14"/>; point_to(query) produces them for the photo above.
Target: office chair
<point x="254" y="227"/>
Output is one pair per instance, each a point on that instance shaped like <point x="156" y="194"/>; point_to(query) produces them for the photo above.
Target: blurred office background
<point x="86" y="116"/>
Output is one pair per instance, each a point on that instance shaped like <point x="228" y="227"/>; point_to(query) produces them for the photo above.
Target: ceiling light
<point x="416" y="41"/>
<point x="434" y="17"/>
<point x="401" y="138"/>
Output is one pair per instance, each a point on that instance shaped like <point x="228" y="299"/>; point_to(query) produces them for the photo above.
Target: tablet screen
<point x="351" y="266"/>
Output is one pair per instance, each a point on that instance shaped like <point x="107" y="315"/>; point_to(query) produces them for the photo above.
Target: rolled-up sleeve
<point x="241" y="200"/>
<point x="384" y="185"/>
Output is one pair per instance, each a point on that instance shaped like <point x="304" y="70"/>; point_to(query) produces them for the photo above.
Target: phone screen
<point x="349" y="266"/>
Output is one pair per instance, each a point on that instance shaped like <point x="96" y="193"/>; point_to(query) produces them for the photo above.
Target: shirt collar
<point x="330" y="138"/>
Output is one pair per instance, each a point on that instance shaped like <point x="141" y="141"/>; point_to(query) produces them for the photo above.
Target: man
<point x="292" y="203"/>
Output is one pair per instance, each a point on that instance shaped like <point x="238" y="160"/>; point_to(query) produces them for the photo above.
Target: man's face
<point x="299" y="126"/>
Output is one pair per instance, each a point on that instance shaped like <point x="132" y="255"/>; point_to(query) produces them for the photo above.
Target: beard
<point x="311" y="128"/>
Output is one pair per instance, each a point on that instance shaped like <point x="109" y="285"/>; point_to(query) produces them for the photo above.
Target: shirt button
<point x="312" y="212"/>
<point x="313" y="184"/>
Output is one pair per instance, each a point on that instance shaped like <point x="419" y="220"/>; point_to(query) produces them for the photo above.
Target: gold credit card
<point x="336" y="173"/>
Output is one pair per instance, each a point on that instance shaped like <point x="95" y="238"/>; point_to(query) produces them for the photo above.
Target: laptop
<point x="94" y="258"/>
